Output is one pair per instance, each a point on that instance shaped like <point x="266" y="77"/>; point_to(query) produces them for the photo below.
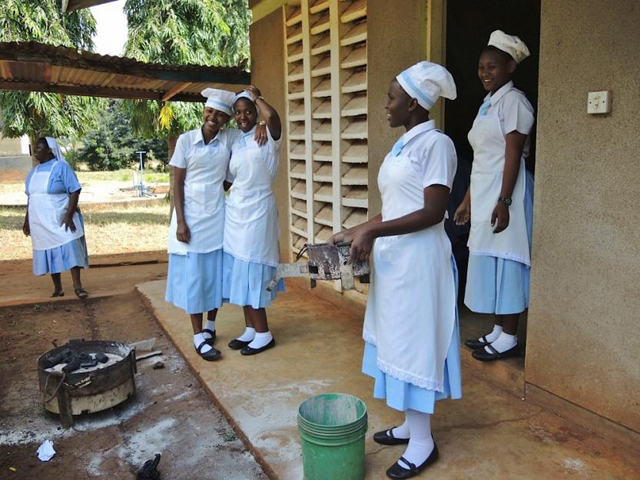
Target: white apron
<point x="411" y="308"/>
<point x="203" y="201"/>
<point x="489" y="142"/>
<point x="252" y="229"/>
<point x="46" y="212"/>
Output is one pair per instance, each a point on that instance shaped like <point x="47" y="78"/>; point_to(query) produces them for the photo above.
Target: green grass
<point x="121" y="176"/>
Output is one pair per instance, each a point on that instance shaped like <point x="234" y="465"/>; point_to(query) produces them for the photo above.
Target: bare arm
<point x="25" y="226"/>
<point x="183" y="234"/>
<point x="463" y="212"/>
<point x="67" y="221"/>
<point x="268" y="113"/>
<point x="513" y="154"/>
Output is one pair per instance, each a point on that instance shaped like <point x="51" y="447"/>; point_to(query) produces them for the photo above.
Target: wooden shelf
<point x="323" y="89"/>
<point x="296" y="111"/>
<point x="300" y="223"/>
<point x="296" y="73"/>
<point x="357" y="216"/>
<point x="319" y="6"/>
<point x="357" y="33"/>
<point x="324" y="234"/>
<point x="356" y="175"/>
<point x="297" y="132"/>
<point x="356" y="197"/>
<point x="299" y="206"/>
<point x="298" y="151"/>
<point x="297" y="231"/>
<point x="357" y="129"/>
<point x="356" y="58"/>
<point x="357" y="152"/>
<point x="299" y="190"/>
<point x="294" y="17"/>
<point x="325" y="215"/>
<point x="324" y="193"/>
<point x="324" y="153"/>
<point x="322" y="68"/>
<point x="321" y="25"/>
<point x="357" y="105"/>
<point x="356" y="10"/>
<point x="323" y="110"/>
<point x="298" y="170"/>
<point x="357" y="82"/>
<point x="295" y="53"/>
<point x="322" y="132"/>
<point x="294" y="35"/>
<point x="324" y="173"/>
<point x="321" y="46"/>
<point x="296" y="91"/>
<point x="300" y="242"/>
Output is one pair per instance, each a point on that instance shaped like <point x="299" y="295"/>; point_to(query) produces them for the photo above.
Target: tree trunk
<point x="171" y="143"/>
<point x="33" y="141"/>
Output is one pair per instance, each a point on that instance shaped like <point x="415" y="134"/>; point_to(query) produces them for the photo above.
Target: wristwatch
<point x="262" y="122"/>
<point x="505" y="200"/>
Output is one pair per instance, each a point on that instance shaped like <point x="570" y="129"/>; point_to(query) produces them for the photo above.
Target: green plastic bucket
<point x="332" y="428"/>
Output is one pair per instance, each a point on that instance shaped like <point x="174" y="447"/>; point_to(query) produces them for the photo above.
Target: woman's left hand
<point x="500" y="217"/>
<point x="68" y="224"/>
<point x="361" y="244"/>
<point x="261" y="135"/>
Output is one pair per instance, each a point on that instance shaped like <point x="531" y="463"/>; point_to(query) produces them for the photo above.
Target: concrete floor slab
<point x="488" y="434"/>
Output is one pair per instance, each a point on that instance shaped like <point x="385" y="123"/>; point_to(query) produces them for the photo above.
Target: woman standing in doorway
<point x="196" y="232"/>
<point x="499" y="200"/>
<point x="53" y="219"/>
<point x="252" y="231"/>
<point x="411" y="325"/>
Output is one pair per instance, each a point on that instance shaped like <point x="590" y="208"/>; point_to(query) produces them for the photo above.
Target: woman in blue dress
<point x="53" y="219"/>
<point x="411" y="324"/>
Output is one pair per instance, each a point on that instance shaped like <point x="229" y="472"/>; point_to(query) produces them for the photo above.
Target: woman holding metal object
<point x="252" y="230"/>
<point x="411" y="323"/>
<point x="53" y="219"/>
<point x="499" y="202"/>
<point x="196" y="232"/>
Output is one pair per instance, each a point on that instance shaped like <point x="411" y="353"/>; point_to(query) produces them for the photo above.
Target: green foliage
<point x="113" y="145"/>
<point x="39" y="114"/>
<point x="202" y="32"/>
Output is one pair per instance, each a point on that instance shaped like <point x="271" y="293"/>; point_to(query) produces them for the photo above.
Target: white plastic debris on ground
<point x="46" y="451"/>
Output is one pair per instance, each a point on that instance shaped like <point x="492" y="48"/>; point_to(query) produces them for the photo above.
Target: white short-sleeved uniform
<point x="411" y="309"/>
<point x="508" y="111"/>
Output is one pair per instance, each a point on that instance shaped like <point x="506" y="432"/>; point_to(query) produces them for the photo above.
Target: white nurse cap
<point x="219" y="100"/>
<point x="509" y="44"/>
<point x="426" y="82"/>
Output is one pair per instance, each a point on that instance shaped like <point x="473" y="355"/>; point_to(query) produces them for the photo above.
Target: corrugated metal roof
<point x="71" y="5"/>
<point x="40" y="67"/>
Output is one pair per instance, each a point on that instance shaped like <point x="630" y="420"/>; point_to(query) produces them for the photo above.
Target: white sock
<point x="420" y="442"/>
<point x="495" y="333"/>
<point x="402" y="431"/>
<point x="248" y="335"/>
<point x="209" y="325"/>
<point x="503" y="343"/>
<point x="197" y="340"/>
<point x="261" y="339"/>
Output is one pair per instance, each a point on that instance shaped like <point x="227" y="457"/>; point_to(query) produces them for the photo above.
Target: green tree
<point x="39" y="114"/>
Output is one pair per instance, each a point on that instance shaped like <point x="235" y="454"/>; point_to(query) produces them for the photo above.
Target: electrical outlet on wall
<point x="599" y="102"/>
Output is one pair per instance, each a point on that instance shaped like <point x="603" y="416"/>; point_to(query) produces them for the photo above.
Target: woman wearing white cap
<point x="53" y="219"/>
<point x="411" y="325"/>
<point x="200" y="162"/>
<point x="252" y="230"/>
<point x="499" y="200"/>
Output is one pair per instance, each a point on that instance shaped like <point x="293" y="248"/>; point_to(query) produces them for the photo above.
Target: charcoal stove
<point x="325" y="262"/>
<point x="91" y="389"/>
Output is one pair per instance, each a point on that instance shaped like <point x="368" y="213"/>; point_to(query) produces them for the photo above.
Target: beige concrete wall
<point x="584" y="340"/>
<point x="267" y="73"/>
<point x="10" y="146"/>
<point x="396" y="40"/>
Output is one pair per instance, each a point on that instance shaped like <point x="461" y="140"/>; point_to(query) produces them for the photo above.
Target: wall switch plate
<point x="599" y="102"/>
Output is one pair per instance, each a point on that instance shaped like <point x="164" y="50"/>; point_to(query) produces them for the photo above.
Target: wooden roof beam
<point x="174" y="91"/>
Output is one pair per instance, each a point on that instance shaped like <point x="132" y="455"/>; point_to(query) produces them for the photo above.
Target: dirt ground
<point x="171" y="415"/>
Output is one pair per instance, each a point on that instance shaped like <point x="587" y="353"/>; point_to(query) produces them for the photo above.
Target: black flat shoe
<point x="398" y="472"/>
<point x="236" y="344"/>
<point x="213" y="336"/>
<point x="475" y="344"/>
<point x="386" y="438"/>
<point x="254" y="351"/>
<point x="209" y="355"/>
<point x="485" y="356"/>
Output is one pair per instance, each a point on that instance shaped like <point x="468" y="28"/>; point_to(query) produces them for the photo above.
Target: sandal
<point x="209" y="355"/>
<point x="213" y="336"/>
<point x="81" y="292"/>
<point x="57" y="294"/>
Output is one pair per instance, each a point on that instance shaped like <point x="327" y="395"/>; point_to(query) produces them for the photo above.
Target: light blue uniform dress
<point x="71" y="254"/>
<point x="252" y="229"/>
<point x="499" y="264"/>
<point x="412" y="341"/>
<point x="194" y="279"/>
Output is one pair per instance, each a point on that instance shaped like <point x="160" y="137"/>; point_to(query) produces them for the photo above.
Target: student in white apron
<point x="499" y="202"/>
<point x="196" y="232"/>
<point x="252" y="230"/>
<point x="411" y="324"/>
<point x="53" y="219"/>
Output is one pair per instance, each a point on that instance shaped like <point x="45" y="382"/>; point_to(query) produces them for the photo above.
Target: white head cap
<point x="55" y="148"/>
<point x="221" y="100"/>
<point x="509" y="44"/>
<point x="245" y="94"/>
<point x="426" y="82"/>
